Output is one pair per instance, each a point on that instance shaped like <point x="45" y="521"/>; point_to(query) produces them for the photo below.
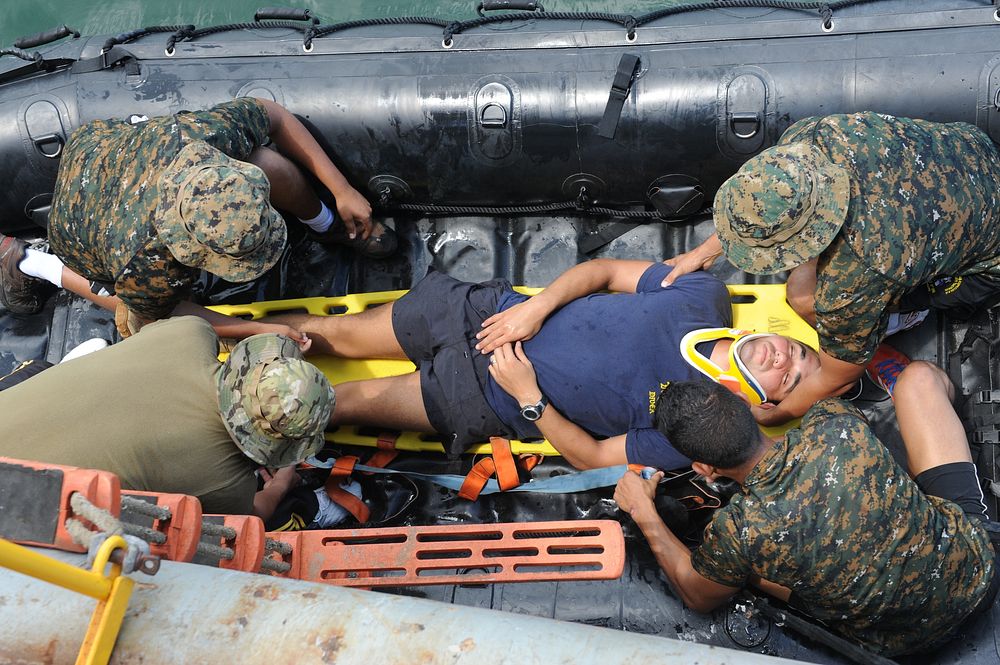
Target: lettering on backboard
<point x="776" y="324"/>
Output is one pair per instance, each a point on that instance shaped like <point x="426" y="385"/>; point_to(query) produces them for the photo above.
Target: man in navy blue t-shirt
<point x="577" y="366"/>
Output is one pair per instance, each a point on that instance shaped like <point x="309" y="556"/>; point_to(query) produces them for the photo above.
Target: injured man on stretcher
<point x="576" y="366"/>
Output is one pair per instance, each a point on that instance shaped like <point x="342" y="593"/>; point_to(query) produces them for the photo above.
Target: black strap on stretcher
<point x="628" y="67"/>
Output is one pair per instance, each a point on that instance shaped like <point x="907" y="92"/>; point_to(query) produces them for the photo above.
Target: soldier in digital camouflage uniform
<point x="826" y="520"/>
<point x="872" y="213"/>
<point x="180" y="420"/>
<point x="142" y="208"/>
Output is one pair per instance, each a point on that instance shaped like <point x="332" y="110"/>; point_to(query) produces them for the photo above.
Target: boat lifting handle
<point x="46" y="37"/>
<point x="496" y="5"/>
<point x="284" y="14"/>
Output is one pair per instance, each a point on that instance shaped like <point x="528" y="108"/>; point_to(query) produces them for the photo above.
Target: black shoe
<point x="381" y="243"/>
<point x="19" y="293"/>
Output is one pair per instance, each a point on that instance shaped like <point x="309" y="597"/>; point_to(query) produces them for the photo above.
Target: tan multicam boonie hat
<point x="275" y="404"/>
<point x="782" y="208"/>
<point x="214" y="213"/>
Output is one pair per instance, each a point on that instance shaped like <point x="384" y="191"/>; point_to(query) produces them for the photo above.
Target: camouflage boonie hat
<point x="275" y="404"/>
<point x="782" y="208"/>
<point x="214" y="213"/>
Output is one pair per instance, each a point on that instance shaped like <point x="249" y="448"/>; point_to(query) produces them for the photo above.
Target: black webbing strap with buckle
<point x="107" y="60"/>
<point x="628" y="66"/>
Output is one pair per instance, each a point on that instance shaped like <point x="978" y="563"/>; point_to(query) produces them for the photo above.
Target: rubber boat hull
<point x="511" y="116"/>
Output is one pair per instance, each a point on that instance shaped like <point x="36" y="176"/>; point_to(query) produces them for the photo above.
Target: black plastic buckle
<point x="986" y="435"/>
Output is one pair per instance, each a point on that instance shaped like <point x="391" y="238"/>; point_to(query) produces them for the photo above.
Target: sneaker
<point x="885" y="366"/>
<point x="900" y="322"/>
<point x="382" y="241"/>
<point x="19" y="294"/>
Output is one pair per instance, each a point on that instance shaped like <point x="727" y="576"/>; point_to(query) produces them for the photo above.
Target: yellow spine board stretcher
<point x="756" y="307"/>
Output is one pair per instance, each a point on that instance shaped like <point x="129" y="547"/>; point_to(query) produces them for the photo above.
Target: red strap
<point x="380" y="459"/>
<point x="387" y="440"/>
<point x="529" y="461"/>
<point x="346" y="500"/>
<point x="503" y="464"/>
<point x="476" y="479"/>
<point x="386" y="451"/>
<point x="342" y="469"/>
<point x="503" y="460"/>
<point x="343" y="466"/>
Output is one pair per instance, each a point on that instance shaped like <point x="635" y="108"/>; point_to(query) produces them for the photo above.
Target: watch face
<point x="531" y="412"/>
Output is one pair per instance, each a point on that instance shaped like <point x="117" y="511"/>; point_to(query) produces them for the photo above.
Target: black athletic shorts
<point x="960" y="297"/>
<point x="436" y="324"/>
<point x="957" y="482"/>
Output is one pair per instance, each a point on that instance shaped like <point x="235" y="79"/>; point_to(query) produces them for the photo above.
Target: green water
<point x="100" y="17"/>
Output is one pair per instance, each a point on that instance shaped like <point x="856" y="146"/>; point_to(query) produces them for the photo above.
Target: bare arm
<point x="800" y="290"/>
<point x="513" y="372"/>
<point x="231" y="327"/>
<point x="523" y="321"/>
<point x="700" y="258"/>
<point x="295" y="141"/>
<point x="833" y="377"/>
<point x="225" y="326"/>
<point x="634" y="495"/>
<point x="579" y="448"/>
<point x="276" y="486"/>
<point x="79" y="285"/>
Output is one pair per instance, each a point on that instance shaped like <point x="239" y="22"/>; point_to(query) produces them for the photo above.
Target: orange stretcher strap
<point x="457" y="554"/>
<point x="529" y="461"/>
<point x="342" y="469"/>
<point x="343" y="466"/>
<point x="347" y="501"/>
<point x="387" y="440"/>
<point x="503" y="460"/>
<point x="386" y="450"/>
<point x="503" y="463"/>
<point x="476" y="479"/>
<point x="381" y="459"/>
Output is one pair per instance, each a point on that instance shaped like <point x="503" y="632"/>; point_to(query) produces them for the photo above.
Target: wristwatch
<point x="533" y="412"/>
